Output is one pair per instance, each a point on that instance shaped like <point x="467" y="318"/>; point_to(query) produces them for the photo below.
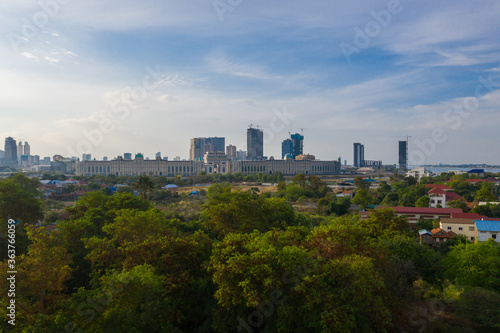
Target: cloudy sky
<point x="116" y="76"/>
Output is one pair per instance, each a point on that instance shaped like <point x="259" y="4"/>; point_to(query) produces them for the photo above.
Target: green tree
<point x="361" y="184"/>
<point x="485" y="195"/>
<point x="362" y="198"/>
<point x="424" y="201"/>
<point x="300" y="180"/>
<point x="145" y="185"/>
<point x="475" y="265"/>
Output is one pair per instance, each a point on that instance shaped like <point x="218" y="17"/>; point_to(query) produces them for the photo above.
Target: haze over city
<point x="158" y="73"/>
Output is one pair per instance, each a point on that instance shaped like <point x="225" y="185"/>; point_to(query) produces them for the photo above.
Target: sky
<point x="116" y="76"/>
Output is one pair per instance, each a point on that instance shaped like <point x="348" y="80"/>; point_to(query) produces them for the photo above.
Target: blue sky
<point x="146" y="76"/>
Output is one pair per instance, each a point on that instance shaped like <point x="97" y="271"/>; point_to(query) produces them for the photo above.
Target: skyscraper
<point x="231" y="152"/>
<point x="286" y="148"/>
<point x="27" y="148"/>
<point x="20" y="149"/>
<point x="403" y="155"/>
<point x="359" y="154"/>
<point x="298" y="144"/>
<point x="255" y="144"/>
<point x="10" y="151"/>
<point x="199" y="146"/>
<point x="127" y="156"/>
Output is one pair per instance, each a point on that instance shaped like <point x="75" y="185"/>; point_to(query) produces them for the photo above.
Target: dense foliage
<point x="241" y="261"/>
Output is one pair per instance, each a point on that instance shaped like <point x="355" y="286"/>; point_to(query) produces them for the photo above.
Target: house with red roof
<point x="440" y="236"/>
<point x="440" y="197"/>
<point x="415" y="213"/>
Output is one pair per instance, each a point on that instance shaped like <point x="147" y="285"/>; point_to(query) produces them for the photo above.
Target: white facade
<point x="418" y="173"/>
<point x="213" y="163"/>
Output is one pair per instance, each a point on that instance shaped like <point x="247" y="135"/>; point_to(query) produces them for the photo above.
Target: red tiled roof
<point x="440" y="186"/>
<point x="474" y="180"/>
<point x="438" y="232"/>
<point x="474" y="216"/>
<point x="436" y="191"/>
<point x="453" y="196"/>
<point x="425" y="210"/>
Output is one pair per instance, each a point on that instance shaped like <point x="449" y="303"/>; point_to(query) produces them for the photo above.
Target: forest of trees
<point x="240" y="261"/>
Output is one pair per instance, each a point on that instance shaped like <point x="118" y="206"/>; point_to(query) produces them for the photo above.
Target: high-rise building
<point x="200" y="146"/>
<point x="20" y="149"/>
<point x="127" y="156"/>
<point x="255" y="144"/>
<point x="158" y="155"/>
<point x="241" y="155"/>
<point x="10" y="151"/>
<point x="298" y="144"/>
<point x="286" y="148"/>
<point x="403" y="155"/>
<point x="105" y="158"/>
<point x="195" y="149"/>
<point x="46" y="161"/>
<point x="86" y="157"/>
<point x="27" y="148"/>
<point x="359" y="155"/>
<point x="231" y="152"/>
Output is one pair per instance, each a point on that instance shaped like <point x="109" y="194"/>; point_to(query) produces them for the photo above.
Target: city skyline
<point x="150" y="76"/>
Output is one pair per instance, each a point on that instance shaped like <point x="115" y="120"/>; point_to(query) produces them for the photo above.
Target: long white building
<point x="214" y="162"/>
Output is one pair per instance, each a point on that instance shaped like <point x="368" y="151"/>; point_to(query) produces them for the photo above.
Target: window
<point x="460" y="228"/>
<point x="449" y="228"/>
<point x="494" y="236"/>
<point x="472" y="239"/>
<point x="471" y="228"/>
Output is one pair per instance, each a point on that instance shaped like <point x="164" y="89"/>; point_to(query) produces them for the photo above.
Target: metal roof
<point x="487" y="225"/>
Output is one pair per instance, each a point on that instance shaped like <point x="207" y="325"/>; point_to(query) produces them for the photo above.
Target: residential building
<point x="231" y="152"/>
<point x="440" y="236"/>
<point x="418" y="173"/>
<point x="440" y="197"/>
<point x="286" y="148"/>
<point x="462" y="224"/>
<point x="359" y="155"/>
<point x="403" y="155"/>
<point x="255" y="144"/>
<point x="415" y="213"/>
<point x="488" y="230"/>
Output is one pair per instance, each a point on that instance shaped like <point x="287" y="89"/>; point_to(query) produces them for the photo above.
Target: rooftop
<point x="487" y="225"/>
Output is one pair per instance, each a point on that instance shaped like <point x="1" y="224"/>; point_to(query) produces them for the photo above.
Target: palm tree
<point x="144" y="185"/>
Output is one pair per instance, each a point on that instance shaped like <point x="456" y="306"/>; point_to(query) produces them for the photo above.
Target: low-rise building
<point x="418" y="173"/>
<point x="488" y="230"/>
<point x="415" y="213"/>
